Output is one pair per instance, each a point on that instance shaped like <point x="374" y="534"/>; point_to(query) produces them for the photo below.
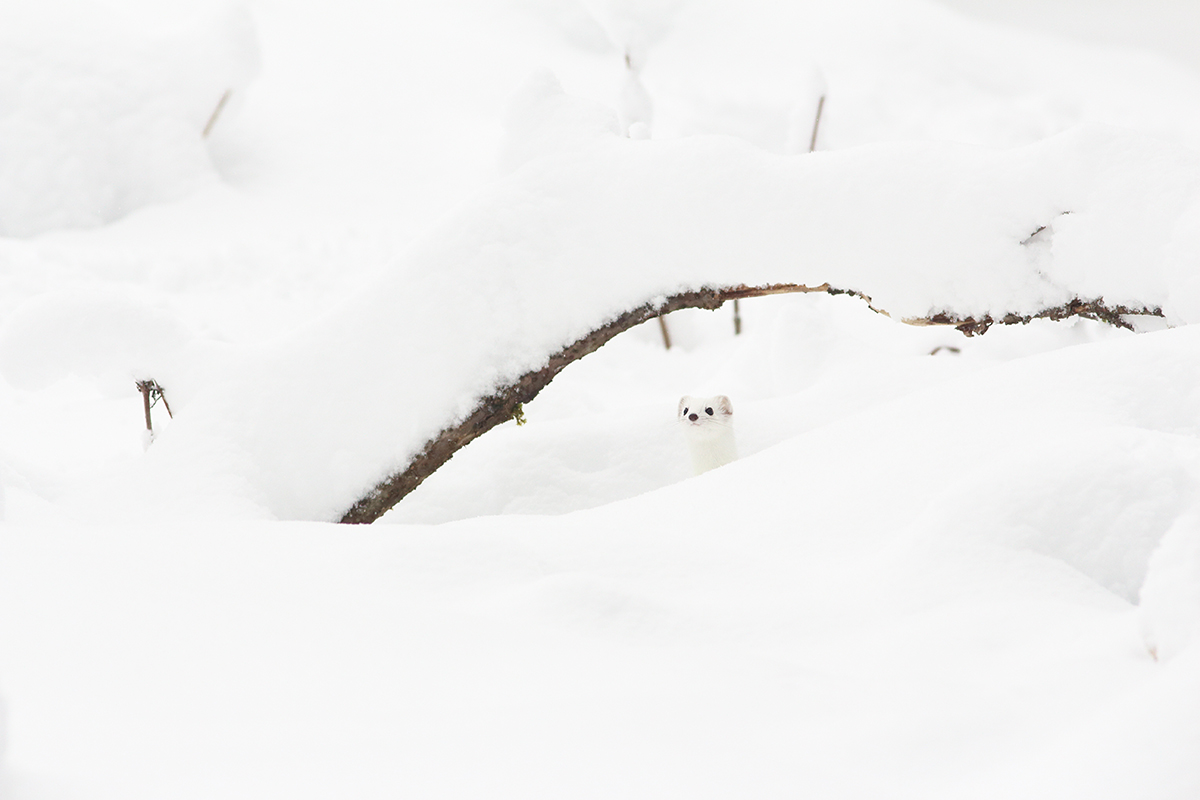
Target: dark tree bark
<point x="504" y="404"/>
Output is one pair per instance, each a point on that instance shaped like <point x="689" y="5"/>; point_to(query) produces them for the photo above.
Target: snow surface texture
<point x="941" y="567"/>
<point x="97" y="120"/>
<point x="1170" y="596"/>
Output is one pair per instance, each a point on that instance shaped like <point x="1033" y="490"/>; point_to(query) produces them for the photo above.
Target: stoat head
<point x="705" y="414"/>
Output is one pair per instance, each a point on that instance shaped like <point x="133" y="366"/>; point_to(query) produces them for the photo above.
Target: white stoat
<point x="708" y="426"/>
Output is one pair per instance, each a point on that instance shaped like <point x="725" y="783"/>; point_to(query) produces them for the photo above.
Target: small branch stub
<point x="151" y="394"/>
<point x="144" y="387"/>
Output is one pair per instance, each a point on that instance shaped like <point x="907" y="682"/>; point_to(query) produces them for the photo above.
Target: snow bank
<point x="1088" y="455"/>
<point x="542" y="119"/>
<point x="99" y="117"/>
<point x="915" y="566"/>
<point x="1100" y="501"/>
<point x="572" y="239"/>
<point x="1170" y="597"/>
<point x="900" y="71"/>
<point x="106" y="335"/>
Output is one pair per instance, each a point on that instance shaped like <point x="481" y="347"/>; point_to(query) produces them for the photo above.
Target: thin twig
<point x="152" y="392"/>
<point x="212" y="120"/>
<point x="812" y="145"/>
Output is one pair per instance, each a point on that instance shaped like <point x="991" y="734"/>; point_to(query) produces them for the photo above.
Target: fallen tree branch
<point x="504" y="404"/>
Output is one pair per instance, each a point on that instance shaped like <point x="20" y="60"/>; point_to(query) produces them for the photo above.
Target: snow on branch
<point x="1088" y="309"/>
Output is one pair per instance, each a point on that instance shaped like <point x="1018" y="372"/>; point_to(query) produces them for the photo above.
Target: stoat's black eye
<point x="708" y="411"/>
<point x="685" y="412"/>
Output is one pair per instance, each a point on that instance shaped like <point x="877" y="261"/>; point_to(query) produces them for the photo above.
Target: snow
<point x="1170" y="594"/>
<point x="634" y="219"/>
<point x="941" y="566"/>
<point x="99" y="121"/>
<point x="542" y="120"/>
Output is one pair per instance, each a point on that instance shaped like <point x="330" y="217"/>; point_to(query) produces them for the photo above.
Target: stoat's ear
<point x="722" y="402"/>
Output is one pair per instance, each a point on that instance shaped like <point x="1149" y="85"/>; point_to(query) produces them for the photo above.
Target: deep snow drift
<point x="574" y="238"/>
<point x="942" y="567"/>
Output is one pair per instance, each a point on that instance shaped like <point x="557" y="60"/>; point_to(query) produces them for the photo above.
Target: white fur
<point x="709" y="436"/>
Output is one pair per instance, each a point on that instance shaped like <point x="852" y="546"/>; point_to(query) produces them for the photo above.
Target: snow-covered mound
<point x="890" y="71"/>
<point x="99" y="117"/>
<point x="106" y="336"/>
<point x="542" y="119"/>
<point x="603" y="224"/>
<point x="1170" y="596"/>
<point x="919" y="578"/>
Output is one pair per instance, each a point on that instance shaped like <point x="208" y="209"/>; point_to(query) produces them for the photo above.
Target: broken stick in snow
<point x="151" y="394"/>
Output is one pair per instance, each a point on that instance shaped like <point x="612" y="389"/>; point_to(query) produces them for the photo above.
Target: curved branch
<point x="505" y="403"/>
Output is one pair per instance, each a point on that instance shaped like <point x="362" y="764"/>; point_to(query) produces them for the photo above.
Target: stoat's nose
<point x="693" y="417"/>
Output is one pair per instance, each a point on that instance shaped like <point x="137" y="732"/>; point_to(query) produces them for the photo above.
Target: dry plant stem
<point x="501" y="405"/>
<point x="666" y="334"/>
<point x="737" y="319"/>
<point x="151" y="394"/>
<point x="212" y="120"/>
<point x="144" y="387"/>
<point x="812" y="145"/>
